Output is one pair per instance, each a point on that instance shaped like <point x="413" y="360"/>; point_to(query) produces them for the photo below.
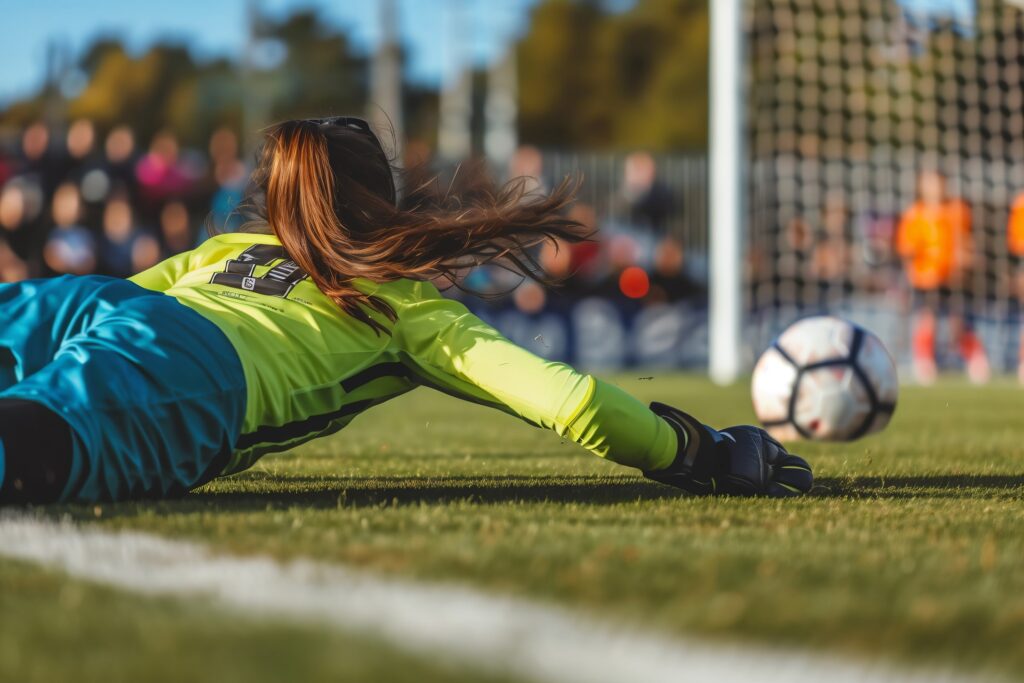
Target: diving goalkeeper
<point x="258" y="341"/>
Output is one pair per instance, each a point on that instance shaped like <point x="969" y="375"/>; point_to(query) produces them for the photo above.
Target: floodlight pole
<point x="455" y="133"/>
<point x="726" y="183"/>
<point x="385" y="110"/>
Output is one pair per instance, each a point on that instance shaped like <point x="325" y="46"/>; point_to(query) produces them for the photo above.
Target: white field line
<point x="482" y="631"/>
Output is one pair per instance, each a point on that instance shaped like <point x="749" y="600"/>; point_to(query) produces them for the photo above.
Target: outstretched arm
<point x="452" y="350"/>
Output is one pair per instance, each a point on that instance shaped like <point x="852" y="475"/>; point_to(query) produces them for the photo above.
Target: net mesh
<point x="857" y="111"/>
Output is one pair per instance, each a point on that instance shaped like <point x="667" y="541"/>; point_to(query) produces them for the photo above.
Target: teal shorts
<point x="154" y="392"/>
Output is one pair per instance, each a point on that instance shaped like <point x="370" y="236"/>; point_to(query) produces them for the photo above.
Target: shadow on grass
<point x="275" y="493"/>
<point x="914" y="486"/>
<point x="258" y="492"/>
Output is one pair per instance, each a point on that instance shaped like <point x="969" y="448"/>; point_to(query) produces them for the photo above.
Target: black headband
<point x="362" y="126"/>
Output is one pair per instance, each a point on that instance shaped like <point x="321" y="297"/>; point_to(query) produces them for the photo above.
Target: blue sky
<point x="217" y="27"/>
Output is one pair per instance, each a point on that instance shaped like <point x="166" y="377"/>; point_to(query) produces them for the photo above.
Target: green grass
<point x="911" y="546"/>
<point x="54" y="629"/>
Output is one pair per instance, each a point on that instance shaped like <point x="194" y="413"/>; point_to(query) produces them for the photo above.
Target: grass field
<point x="910" y="547"/>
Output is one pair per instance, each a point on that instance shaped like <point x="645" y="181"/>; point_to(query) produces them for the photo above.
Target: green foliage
<point x="165" y="87"/>
<point x="153" y="91"/>
<point x="598" y="79"/>
<point x="589" y="78"/>
<point x="320" y="75"/>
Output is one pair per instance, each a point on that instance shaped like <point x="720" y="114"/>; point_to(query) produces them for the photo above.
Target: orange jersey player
<point x="934" y="241"/>
<point x="1015" y="241"/>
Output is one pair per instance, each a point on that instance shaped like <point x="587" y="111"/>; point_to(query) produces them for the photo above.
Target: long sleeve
<point x="452" y="350"/>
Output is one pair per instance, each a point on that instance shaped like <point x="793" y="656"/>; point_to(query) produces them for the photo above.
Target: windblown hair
<point x="327" y="193"/>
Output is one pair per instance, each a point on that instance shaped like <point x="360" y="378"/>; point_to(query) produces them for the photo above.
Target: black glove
<point x="739" y="461"/>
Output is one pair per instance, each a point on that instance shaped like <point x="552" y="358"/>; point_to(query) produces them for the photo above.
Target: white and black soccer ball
<point x="825" y="379"/>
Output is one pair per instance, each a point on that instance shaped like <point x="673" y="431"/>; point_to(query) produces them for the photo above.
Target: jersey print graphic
<point x="278" y="281"/>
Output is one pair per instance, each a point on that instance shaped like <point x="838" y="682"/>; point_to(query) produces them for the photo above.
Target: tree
<point x="590" y="77"/>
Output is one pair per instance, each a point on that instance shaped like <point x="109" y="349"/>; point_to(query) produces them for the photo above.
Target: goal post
<point x="867" y="161"/>
<point x="726" y="135"/>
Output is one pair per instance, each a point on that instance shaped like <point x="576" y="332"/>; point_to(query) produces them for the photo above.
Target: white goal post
<point x="726" y="135"/>
<point x="867" y="161"/>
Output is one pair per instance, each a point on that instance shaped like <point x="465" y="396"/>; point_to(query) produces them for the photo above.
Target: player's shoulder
<point x="407" y="296"/>
<point x="400" y="290"/>
<point x="224" y="245"/>
<point x="243" y="239"/>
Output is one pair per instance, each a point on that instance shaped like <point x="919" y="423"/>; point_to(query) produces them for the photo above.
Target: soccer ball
<point x="826" y="379"/>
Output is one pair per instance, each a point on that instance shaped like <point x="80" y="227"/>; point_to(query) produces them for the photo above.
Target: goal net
<point x="885" y="152"/>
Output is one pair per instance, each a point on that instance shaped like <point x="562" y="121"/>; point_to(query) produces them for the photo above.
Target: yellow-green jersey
<point x="310" y="368"/>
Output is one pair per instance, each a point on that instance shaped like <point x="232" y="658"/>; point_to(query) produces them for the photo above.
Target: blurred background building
<point x="884" y="152"/>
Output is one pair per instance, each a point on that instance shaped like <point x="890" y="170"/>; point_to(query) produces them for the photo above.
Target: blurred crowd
<point x="635" y="259"/>
<point x="78" y="200"/>
<point x="930" y="259"/>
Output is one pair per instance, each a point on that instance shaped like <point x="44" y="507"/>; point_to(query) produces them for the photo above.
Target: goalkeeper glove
<point x="741" y="461"/>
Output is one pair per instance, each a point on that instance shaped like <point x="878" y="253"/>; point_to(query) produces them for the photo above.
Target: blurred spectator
<point x="95" y="185"/>
<point x="832" y="262"/>
<point x="876" y="232"/>
<point x="85" y="200"/>
<point x="70" y="247"/>
<point x="585" y="257"/>
<point x="159" y="174"/>
<point x="934" y="240"/>
<point x="669" y="281"/>
<point x="81" y="139"/>
<point x="527" y="162"/>
<point x="35" y="143"/>
<point x="1015" y="238"/>
<point x="12" y="268"/>
<point x="555" y="260"/>
<point x="647" y="201"/>
<point x="622" y="280"/>
<point x="120" y="162"/>
<point x="85" y="167"/>
<point x="792" y="258"/>
<point x="530" y="297"/>
<point x="230" y="176"/>
<point x="38" y="165"/>
<point x="6" y="167"/>
<point x="174" y="227"/>
<point x="124" y="249"/>
<point x="145" y="253"/>
<point x="21" y="206"/>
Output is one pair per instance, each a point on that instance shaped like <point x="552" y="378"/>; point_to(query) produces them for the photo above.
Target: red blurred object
<point x="634" y="283"/>
<point x="585" y="257"/>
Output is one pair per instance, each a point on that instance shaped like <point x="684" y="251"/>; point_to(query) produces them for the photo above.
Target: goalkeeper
<point x="256" y="342"/>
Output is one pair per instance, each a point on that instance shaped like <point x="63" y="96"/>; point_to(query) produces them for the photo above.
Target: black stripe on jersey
<point x="289" y="272"/>
<point x="364" y="377"/>
<point x="262" y="254"/>
<point x="253" y="284"/>
<point x="297" y="430"/>
<point x="240" y="267"/>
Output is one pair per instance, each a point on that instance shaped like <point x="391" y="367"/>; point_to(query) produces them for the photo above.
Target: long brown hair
<point x="327" y="193"/>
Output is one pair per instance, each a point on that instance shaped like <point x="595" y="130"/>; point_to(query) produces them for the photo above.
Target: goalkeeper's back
<point x="330" y="307"/>
<point x="310" y="368"/>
